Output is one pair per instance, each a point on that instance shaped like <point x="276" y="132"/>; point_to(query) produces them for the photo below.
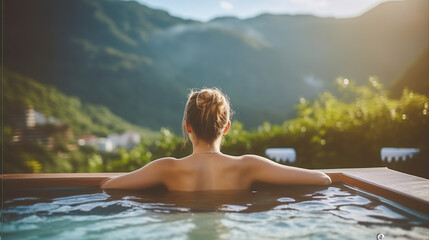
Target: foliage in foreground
<point x="347" y="129"/>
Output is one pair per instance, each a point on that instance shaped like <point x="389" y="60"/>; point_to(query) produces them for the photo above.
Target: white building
<point x="396" y="154"/>
<point x="281" y="154"/>
<point x="128" y="139"/>
<point x="101" y="144"/>
<point x="104" y="145"/>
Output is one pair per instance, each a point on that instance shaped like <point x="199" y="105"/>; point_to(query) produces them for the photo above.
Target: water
<point x="334" y="212"/>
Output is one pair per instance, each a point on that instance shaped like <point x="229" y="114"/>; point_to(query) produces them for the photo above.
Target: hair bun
<point x="208" y="97"/>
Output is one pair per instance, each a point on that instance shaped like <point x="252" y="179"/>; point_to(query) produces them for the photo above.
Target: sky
<point x="205" y="10"/>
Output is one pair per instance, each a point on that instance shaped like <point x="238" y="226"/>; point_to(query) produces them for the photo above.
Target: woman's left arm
<point x="265" y="170"/>
<point x="145" y="177"/>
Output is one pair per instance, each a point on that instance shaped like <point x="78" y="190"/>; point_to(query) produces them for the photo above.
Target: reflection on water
<point x="334" y="212"/>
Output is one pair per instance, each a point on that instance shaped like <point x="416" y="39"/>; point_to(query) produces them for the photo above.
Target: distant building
<point x="113" y="142"/>
<point x="47" y="135"/>
<point x="104" y="145"/>
<point x="128" y="139"/>
<point x="30" y="118"/>
<point x="281" y="154"/>
<point x="101" y="144"/>
<point x="27" y="130"/>
<point x="87" y="140"/>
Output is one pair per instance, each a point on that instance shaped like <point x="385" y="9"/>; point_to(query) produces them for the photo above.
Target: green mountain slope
<point x="95" y="50"/>
<point x="21" y="92"/>
<point x="139" y="62"/>
<point x="415" y="77"/>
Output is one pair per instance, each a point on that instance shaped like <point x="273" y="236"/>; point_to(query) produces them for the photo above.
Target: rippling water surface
<point x="334" y="212"/>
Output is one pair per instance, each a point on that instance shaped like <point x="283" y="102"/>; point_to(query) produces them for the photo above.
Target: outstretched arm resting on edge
<point x="265" y="170"/>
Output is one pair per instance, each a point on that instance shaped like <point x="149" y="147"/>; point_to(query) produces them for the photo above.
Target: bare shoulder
<point x="250" y="162"/>
<point x="255" y="159"/>
<point x="164" y="163"/>
<point x="165" y="160"/>
<point x="246" y="157"/>
<point x="243" y="159"/>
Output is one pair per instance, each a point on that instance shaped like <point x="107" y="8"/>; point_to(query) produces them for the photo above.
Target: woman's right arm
<point x="265" y="170"/>
<point x="145" y="177"/>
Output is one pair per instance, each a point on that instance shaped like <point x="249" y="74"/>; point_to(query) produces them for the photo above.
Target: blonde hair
<point x="208" y="112"/>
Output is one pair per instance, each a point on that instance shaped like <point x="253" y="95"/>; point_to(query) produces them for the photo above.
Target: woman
<point x="206" y="119"/>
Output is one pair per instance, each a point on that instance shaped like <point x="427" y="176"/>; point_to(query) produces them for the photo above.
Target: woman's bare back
<point x="207" y="171"/>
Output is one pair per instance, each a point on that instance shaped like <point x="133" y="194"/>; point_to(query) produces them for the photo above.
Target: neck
<point x="204" y="147"/>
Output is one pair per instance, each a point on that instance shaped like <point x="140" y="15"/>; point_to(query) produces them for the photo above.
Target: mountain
<point x="140" y="62"/>
<point x="415" y="77"/>
<point x="381" y="42"/>
<point x="84" y="119"/>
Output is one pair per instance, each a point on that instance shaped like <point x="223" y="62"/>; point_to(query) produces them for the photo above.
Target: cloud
<point x="312" y="3"/>
<point x="226" y="5"/>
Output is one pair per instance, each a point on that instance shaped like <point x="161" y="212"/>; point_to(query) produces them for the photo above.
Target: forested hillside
<point x="21" y="92"/>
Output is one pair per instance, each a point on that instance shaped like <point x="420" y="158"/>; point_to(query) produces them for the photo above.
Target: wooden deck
<point x="408" y="190"/>
<point x="405" y="189"/>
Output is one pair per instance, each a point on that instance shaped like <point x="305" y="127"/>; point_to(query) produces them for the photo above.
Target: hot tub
<point x="61" y="207"/>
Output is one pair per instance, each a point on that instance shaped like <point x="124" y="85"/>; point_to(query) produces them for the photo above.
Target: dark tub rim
<point x="407" y="190"/>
